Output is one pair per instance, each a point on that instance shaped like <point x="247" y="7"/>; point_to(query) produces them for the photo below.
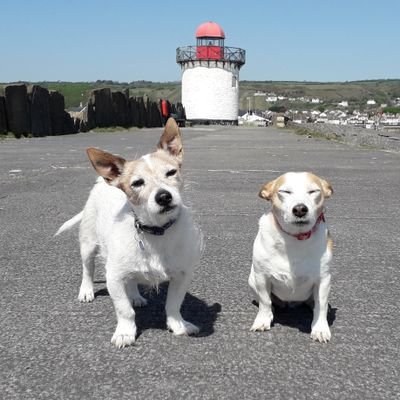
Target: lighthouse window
<point x="234" y="81"/>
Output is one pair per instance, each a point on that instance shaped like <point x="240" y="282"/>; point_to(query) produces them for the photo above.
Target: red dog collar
<point x="304" y="235"/>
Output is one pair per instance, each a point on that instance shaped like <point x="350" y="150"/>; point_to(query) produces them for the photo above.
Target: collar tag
<point x="141" y="244"/>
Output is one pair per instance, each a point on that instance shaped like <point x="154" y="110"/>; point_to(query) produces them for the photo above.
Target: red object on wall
<point x="165" y="108"/>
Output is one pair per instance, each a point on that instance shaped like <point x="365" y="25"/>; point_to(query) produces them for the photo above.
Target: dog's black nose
<point x="163" y="197"/>
<point x="300" y="210"/>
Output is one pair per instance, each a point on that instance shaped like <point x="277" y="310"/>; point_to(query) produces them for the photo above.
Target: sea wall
<point x="380" y="139"/>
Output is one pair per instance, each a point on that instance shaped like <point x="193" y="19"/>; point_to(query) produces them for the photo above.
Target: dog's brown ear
<point x="106" y="164"/>
<point x="327" y="189"/>
<point x="171" y="140"/>
<point x="267" y="190"/>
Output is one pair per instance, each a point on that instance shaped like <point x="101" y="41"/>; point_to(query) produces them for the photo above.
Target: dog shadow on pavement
<point x="299" y="316"/>
<point x="153" y="315"/>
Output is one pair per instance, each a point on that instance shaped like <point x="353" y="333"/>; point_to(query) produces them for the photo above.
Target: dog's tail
<point x="70" y="223"/>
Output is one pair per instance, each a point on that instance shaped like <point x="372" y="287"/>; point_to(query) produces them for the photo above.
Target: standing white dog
<point x="292" y="250"/>
<point x="135" y="220"/>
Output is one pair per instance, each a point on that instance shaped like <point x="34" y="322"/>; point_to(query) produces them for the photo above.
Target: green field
<point x="356" y="92"/>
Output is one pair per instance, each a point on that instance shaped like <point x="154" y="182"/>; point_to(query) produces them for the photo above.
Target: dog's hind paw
<point x="86" y="295"/>
<point x="321" y="334"/>
<point x="182" y="327"/>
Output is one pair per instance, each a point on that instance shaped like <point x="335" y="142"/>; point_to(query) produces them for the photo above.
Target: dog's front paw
<point x="320" y="332"/>
<point x="262" y="323"/>
<point x="124" y="335"/>
<point x="181" y="327"/>
<point x="86" y="294"/>
<point x="139" y="301"/>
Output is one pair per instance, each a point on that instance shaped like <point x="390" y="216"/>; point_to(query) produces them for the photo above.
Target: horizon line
<point x="178" y="82"/>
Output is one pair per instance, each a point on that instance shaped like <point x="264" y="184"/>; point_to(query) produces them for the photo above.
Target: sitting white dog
<point x="292" y="250"/>
<point x="135" y="220"/>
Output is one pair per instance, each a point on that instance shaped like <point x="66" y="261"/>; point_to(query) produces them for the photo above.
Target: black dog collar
<point x="153" y="230"/>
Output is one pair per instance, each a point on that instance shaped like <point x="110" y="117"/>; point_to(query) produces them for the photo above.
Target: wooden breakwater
<point x="34" y="110"/>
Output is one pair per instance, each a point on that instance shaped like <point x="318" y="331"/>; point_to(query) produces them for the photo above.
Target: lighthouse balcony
<point x="210" y="53"/>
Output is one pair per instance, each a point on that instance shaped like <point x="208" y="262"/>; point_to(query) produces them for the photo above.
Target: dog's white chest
<point x="292" y="281"/>
<point x="151" y="259"/>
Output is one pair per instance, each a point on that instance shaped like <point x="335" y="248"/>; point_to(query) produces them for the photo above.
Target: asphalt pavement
<point x="53" y="347"/>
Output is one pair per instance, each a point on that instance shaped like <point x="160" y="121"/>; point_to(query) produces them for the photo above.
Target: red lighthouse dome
<point x="210" y="30"/>
<point x="210" y="41"/>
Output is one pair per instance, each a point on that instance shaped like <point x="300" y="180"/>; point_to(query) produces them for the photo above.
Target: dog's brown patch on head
<point x="325" y="186"/>
<point x="132" y="168"/>
<point x="164" y="157"/>
<point x="270" y="189"/>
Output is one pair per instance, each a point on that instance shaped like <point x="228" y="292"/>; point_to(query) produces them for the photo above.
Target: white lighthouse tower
<point x="210" y="77"/>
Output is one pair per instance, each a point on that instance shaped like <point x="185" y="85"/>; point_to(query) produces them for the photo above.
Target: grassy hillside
<point x="357" y="92"/>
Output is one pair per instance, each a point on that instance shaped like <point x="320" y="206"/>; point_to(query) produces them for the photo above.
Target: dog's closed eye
<point x="316" y="191"/>
<point x="137" y="183"/>
<point x="171" y="172"/>
<point x="285" y="191"/>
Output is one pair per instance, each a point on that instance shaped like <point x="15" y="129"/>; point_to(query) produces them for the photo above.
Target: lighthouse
<point x="210" y="77"/>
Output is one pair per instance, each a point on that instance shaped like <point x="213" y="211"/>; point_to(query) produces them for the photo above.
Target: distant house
<point x="316" y="101"/>
<point x="299" y="118"/>
<point x="322" y="118"/>
<point x="389" y="120"/>
<point x="271" y="99"/>
<point x="252" y="119"/>
<point x="334" y="121"/>
<point x="371" y="102"/>
<point x="343" y="103"/>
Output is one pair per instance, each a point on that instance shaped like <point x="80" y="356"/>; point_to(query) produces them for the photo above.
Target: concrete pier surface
<point x="53" y="347"/>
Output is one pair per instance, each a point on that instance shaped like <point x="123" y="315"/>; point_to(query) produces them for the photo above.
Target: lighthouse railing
<point x="231" y="54"/>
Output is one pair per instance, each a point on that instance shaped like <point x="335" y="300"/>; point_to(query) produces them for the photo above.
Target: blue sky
<point x="123" y="40"/>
